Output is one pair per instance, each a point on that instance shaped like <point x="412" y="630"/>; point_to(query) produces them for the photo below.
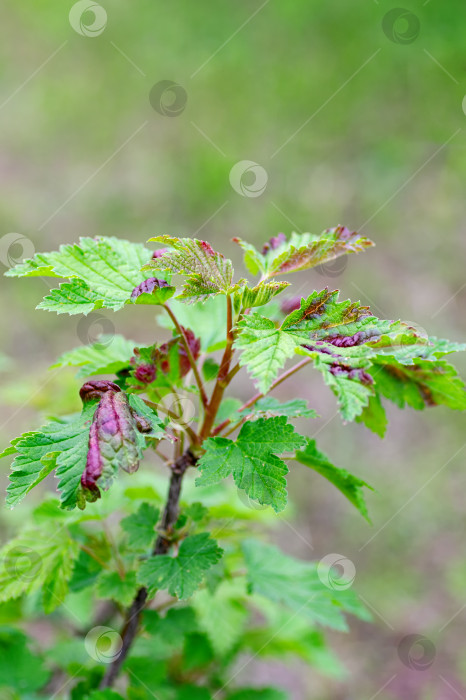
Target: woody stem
<point x="133" y="615"/>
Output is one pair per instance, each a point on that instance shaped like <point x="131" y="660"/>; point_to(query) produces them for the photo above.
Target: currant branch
<point x="170" y="516"/>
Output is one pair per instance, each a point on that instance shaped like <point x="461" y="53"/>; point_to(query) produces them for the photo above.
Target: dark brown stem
<point x="256" y="398"/>
<point x="162" y="545"/>
<point x="192" y="361"/>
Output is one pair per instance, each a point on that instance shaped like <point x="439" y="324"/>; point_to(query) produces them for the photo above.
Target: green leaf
<point x="373" y="416"/>
<point x="75" y="297"/>
<point x="140" y="526"/>
<point x="313" y="311"/>
<point x="349" y="485"/>
<point x="182" y="574"/>
<point x="109" y="355"/>
<point x="222" y="616"/>
<point x="296" y="584"/>
<point x="353" y="396"/>
<point x="196" y="511"/>
<point x="157" y="297"/>
<point x="410" y="343"/>
<point x="197" y="652"/>
<point x="171" y="629"/>
<point x="229" y="409"/>
<point x="254" y="261"/>
<point x="290" y="637"/>
<point x="265" y="348"/>
<point x="139" y="406"/>
<point x="20" y="669"/>
<point x="253" y="460"/>
<point x="208" y="273"/>
<point x="303" y="251"/>
<point x="258" y="694"/>
<point x="102" y="271"/>
<point x="104" y="695"/>
<point x="270" y="406"/>
<point x="420" y="384"/>
<point x="36" y="560"/>
<point x="111" y="585"/>
<point x="260" y="295"/>
<point x="85" y="573"/>
<point x="360" y="355"/>
<point x="210" y="369"/>
<point x="58" y="444"/>
<point x="193" y="692"/>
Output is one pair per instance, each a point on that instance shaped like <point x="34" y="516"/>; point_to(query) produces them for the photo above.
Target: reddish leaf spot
<point x="148" y="286"/>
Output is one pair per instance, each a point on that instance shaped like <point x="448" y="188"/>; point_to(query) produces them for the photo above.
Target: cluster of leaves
<point x="360" y="356"/>
<point x="228" y="577"/>
<point x="242" y="592"/>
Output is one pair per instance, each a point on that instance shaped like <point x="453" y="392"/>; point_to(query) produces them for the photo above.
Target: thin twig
<point x="189" y="354"/>
<point x="256" y="398"/>
<point x="94" y="556"/>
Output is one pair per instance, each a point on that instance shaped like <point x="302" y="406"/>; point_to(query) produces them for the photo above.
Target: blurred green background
<point x="357" y="119"/>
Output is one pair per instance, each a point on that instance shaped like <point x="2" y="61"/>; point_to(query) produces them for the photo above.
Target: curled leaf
<point x="116" y="439"/>
<point x="113" y="441"/>
<point x="148" y="286"/>
<point x="96" y="388"/>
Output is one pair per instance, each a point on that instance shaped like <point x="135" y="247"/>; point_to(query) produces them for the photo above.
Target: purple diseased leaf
<point x="117" y="432"/>
<point x="158" y="253"/>
<point x="306" y="251"/>
<point x="352" y="340"/>
<point x="290" y="304"/>
<point x="96" y="388"/>
<point x="94" y="464"/>
<point x="148" y="286"/>
<point x="113" y="441"/>
<point x="145" y="373"/>
<point x="194" y="345"/>
<point x="338" y="369"/>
